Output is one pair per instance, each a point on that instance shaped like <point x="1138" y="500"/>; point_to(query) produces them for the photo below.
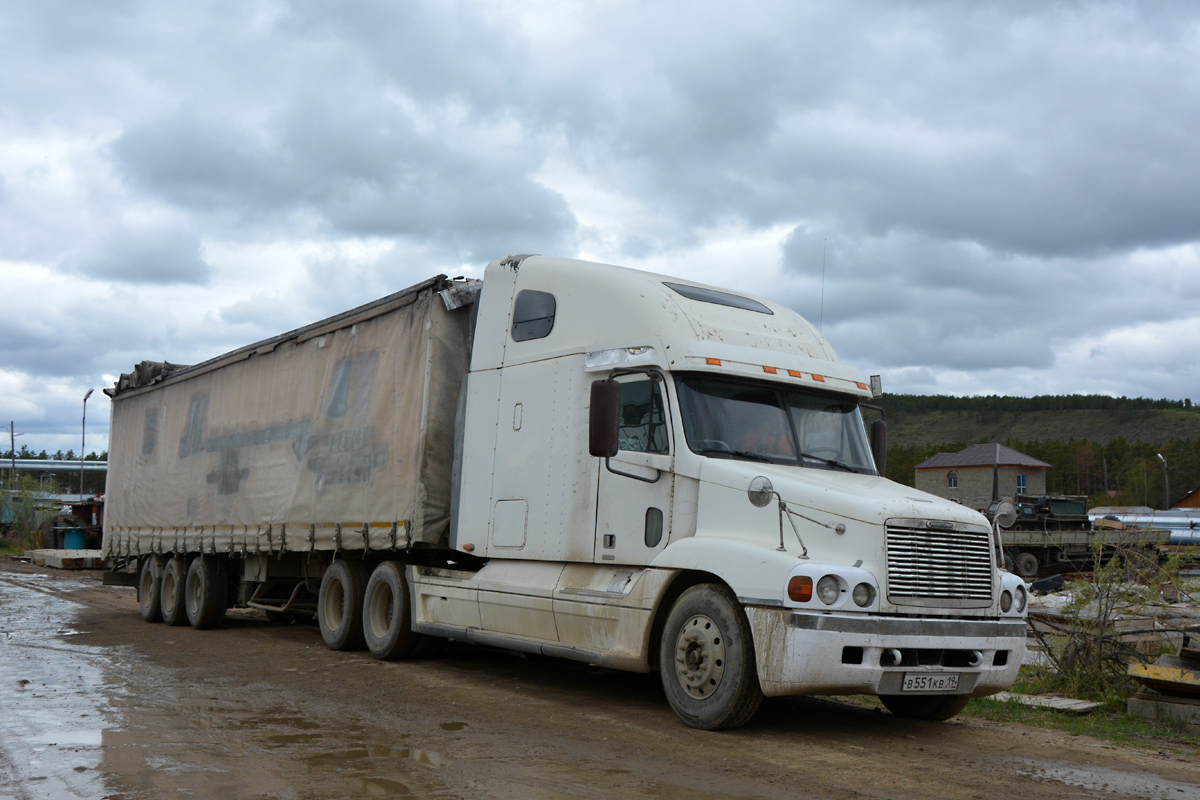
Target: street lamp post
<point x="83" y="442"/>
<point x="1166" y="483"/>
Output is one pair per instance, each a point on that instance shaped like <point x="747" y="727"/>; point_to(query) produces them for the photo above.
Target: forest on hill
<point x="1104" y="447"/>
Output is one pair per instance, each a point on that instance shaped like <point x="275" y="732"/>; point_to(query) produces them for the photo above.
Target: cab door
<point x="633" y="505"/>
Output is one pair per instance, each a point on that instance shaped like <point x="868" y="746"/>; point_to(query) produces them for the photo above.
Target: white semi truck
<point x="572" y="459"/>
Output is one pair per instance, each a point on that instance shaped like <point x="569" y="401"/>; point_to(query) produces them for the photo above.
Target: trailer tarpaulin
<point x="336" y="436"/>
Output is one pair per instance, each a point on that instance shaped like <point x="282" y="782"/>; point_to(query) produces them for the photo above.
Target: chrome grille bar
<point x="938" y="564"/>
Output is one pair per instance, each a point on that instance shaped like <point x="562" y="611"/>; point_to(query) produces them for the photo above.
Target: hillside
<point x="1151" y="426"/>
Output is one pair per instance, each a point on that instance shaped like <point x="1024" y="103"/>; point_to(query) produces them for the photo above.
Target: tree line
<point x="59" y="455"/>
<point x="914" y="403"/>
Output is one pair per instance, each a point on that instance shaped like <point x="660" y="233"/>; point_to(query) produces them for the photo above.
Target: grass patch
<point x="1103" y="723"/>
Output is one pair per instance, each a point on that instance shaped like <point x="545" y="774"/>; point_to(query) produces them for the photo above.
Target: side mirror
<point x="602" y="420"/>
<point x="879" y="446"/>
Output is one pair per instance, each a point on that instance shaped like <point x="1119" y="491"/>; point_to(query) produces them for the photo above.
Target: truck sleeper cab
<point x="649" y="474"/>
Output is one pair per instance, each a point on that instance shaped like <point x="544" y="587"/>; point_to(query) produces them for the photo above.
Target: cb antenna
<point x="821" y="320"/>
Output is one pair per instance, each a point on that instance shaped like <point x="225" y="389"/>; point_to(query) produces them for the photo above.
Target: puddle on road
<point x="52" y="726"/>
<point x="1102" y="779"/>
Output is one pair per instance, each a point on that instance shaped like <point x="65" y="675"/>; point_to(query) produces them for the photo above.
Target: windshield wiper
<point x="735" y="453"/>
<point x="830" y="461"/>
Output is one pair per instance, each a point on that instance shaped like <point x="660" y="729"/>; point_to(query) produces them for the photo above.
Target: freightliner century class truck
<point x="572" y="459"/>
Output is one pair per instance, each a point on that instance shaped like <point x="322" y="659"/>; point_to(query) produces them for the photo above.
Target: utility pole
<point x="83" y="442"/>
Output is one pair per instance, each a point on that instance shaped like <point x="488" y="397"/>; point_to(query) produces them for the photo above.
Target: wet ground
<point x="95" y="703"/>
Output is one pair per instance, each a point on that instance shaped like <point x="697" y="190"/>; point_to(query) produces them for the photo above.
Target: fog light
<point x="864" y="595"/>
<point x="828" y="590"/>
<point x="1005" y="601"/>
<point x="1021" y="598"/>
<point x="800" y="589"/>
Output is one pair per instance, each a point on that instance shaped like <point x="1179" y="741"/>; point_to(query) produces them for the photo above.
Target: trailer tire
<point x="340" y="605"/>
<point x="936" y="707"/>
<point x="171" y="591"/>
<point x="706" y="659"/>
<point x="149" y="589"/>
<point x="206" y="593"/>
<point x="387" y="614"/>
<point x="1026" y="565"/>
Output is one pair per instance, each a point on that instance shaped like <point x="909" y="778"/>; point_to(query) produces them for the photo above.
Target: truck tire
<point x="171" y="591"/>
<point x="149" y="589"/>
<point x="707" y="660"/>
<point x="934" y="707"/>
<point x="1026" y="565"/>
<point x="340" y="605"/>
<point x="387" y="614"/>
<point x="206" y="592"/>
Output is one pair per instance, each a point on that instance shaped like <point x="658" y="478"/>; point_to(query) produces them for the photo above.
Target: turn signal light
<point x="800" y="589"/>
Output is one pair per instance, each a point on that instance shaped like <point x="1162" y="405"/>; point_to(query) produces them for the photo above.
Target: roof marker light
<point x="795" y="373"/>
<point x="862" y="386"/>
<point x="769" y="370"/>
<point x="714" y="362"/>
<point x="820" y="378"/>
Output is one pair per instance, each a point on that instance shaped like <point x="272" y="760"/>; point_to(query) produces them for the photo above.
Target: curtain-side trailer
<point x="572" y="459"/>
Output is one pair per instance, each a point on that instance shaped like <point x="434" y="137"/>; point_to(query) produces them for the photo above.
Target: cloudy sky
<point x="1006" y="197"/>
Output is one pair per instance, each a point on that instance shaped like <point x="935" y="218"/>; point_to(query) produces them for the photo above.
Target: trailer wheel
<point x="149" y="589"/>
<point x="934" y="707"/>
<point x="1026" y="565"/>
<point x="206" y="592"/>
<point x="387" y="614"/>
<point x="707" y="660"/>
<point x="171" y="591"/>
<point x="340" y="605"/>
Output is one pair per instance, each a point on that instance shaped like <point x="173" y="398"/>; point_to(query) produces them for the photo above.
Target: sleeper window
<point x="533" y="315"/>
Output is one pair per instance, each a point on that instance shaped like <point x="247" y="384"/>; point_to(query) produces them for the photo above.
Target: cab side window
<point x="642" y="424"/>
<point x="533" y="315"/>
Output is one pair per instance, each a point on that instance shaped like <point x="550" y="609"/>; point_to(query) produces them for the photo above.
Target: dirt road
<point x="96" y="703"/>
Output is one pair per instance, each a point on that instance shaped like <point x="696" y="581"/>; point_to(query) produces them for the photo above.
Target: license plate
<point x="930" y="682"/>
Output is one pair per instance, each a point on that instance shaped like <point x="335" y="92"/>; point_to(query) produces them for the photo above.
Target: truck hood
<point x="851" y="496"/>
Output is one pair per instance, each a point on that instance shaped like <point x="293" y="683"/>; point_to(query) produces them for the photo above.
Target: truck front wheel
<point x="707" y="660"/>
<point x="206" y="592"/>
<point x="148" y="589"/>
<point x="340" y="605"/>
<point x="936" y="707"/>
<point x="387" y="614"/>
<point x="171" y="591"/>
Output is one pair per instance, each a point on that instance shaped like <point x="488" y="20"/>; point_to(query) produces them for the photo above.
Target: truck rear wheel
<point x="387" y="614"/>
<point x="171" y="591"/>
<point x="148" y="589"/>
<point x="340" y="605"/>
<point x="936" y="707"/>
<point x="1026" y="565"/>
<point x="707" y="660"/>
<point x="206" y="592"/>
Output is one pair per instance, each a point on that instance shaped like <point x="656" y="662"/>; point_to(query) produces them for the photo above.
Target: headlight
<point x="864" y="595"/>
<point x="1005" y="601"/>
<point x="828" y="590"/>
<point x="1021" y="598"/>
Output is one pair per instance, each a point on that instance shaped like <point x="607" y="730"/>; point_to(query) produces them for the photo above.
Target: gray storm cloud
<point x="1004" y="194"/>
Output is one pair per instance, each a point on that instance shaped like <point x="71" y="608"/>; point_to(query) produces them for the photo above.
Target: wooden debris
<point x="1066" y="705"/>
<point x="67" y="559"/>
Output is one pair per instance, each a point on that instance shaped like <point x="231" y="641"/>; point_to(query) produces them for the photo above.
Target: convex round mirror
<point x="1006" y="514"/>
<point x="761" y="491"/>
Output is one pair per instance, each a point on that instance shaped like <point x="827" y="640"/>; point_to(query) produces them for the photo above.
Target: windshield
<point x="753" y="421"/>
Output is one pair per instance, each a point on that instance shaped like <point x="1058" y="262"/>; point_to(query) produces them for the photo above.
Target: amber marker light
<point x="795" y="373"/>
<point x="862" y="386"/>
<point x="800" y="589"/>
<point x="714" y="362"/>
<point x="769" y="370"/>
<point x="820" y="378"/>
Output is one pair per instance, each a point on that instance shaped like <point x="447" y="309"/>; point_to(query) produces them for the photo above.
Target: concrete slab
<point x="1164" y="708"/>
<point x="67" y="559"/>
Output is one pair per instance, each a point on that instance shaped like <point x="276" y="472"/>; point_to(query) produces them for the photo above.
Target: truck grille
<point x="939" y="565"/>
